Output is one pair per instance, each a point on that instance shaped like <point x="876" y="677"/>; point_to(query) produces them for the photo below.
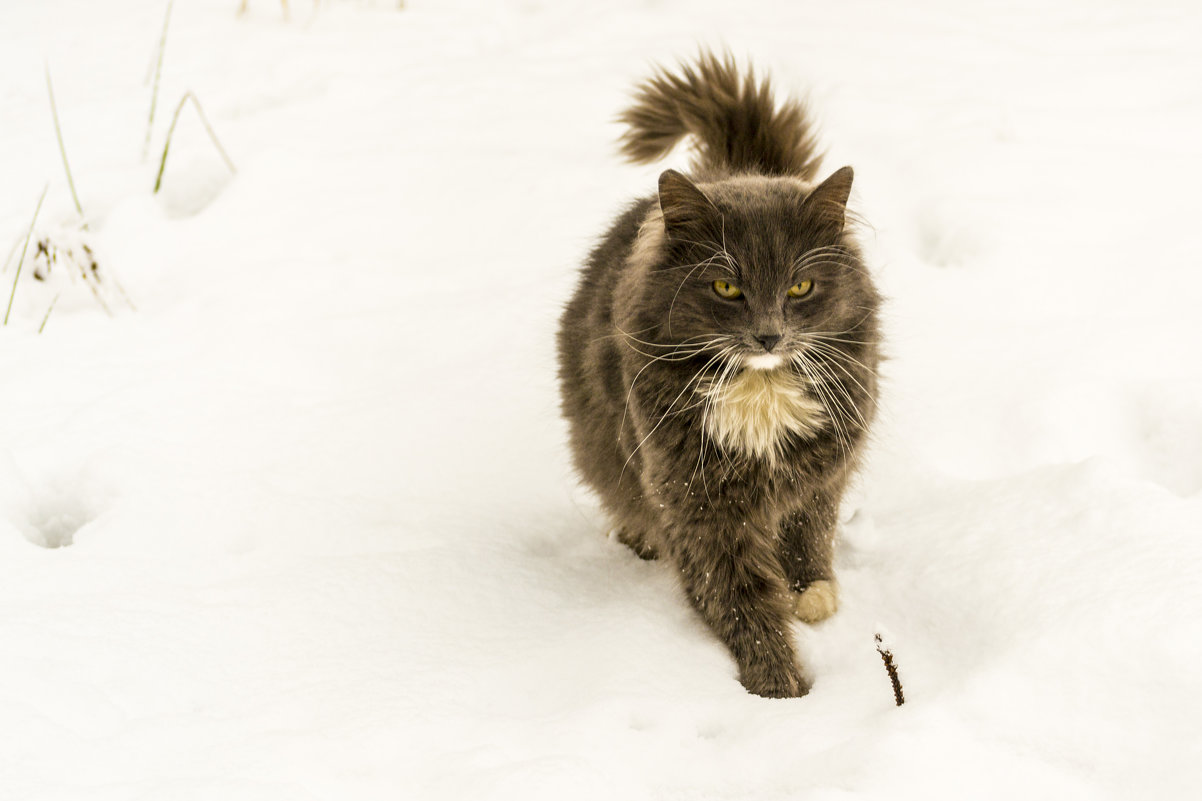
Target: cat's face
<point x="758" y="273"/>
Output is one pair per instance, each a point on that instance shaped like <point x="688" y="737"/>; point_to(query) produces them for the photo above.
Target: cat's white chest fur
<point x="754" y="410"/>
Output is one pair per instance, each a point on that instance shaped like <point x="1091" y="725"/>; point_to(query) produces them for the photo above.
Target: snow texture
<point x="297" y="521"/>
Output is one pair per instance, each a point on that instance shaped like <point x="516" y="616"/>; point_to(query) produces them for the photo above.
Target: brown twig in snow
<point x="891" y="669"/>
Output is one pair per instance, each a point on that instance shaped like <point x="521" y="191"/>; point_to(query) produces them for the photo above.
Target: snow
<point x="301" y="525"/>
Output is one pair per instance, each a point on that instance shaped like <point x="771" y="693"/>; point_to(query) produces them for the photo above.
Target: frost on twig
<point x="890" y="668"/>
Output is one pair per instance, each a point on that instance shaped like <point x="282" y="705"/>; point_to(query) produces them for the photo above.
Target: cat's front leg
<point x="733" y="577"/>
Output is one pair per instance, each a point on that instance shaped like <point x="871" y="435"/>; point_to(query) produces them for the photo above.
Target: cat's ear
<point x="826" y="206"/>
<point x="684" y="206"/>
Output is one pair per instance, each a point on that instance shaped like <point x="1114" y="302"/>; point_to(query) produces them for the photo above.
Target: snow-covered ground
<point x="318" y="534"/>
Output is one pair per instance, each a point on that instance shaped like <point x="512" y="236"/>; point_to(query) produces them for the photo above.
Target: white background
<point x="324" y="542"/>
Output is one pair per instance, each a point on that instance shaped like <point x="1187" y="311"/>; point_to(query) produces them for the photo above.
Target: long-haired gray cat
<point x="718" y="362"/>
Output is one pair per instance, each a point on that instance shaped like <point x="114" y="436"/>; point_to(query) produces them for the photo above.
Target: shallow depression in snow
<point x="51" y="510"/>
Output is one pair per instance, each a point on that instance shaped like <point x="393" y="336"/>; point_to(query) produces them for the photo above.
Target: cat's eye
<point x="727" y="290"/>
<point x="800" y="290"/>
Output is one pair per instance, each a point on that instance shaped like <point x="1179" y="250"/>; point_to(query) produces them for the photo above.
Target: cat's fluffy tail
<point x="736" y="124"/>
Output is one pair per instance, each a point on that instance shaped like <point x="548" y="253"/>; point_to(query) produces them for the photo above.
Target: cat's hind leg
<point x="818" y="601"/>
<point x="807" y="551"/>
<point x="637" y="541"/>
<point x="634" y="526"/>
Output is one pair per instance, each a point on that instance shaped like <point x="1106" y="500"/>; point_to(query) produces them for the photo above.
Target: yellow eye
<point x="728" y="291"/>
<point x="801" y="290"/>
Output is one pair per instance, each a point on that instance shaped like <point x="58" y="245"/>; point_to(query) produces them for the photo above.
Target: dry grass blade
<point x="158" y="71"/>
<point x="21" y="261"/>
<point x="58" y="131"/>
<point x="46" y="319"/>
<point x="158" y="182"/>
<point x="9" y="257"/>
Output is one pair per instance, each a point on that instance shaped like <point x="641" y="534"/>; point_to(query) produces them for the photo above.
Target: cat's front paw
<point x="777" y="682"/>
<point x="816" y="602"/>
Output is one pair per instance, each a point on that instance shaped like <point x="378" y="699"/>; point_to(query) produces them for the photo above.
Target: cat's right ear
<point x="828" y="202"/>
<point x="684" y="206"/>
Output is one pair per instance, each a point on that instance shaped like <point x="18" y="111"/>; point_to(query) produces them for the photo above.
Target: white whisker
<point x="696" y="377"/>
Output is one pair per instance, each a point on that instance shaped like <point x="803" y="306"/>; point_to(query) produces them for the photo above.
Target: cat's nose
<point x="768" y="341"/>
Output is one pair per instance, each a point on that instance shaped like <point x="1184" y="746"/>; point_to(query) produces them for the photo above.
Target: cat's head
<point x="752" y="271"/>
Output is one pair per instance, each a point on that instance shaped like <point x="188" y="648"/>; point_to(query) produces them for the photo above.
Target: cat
<point x="718" y="361"/>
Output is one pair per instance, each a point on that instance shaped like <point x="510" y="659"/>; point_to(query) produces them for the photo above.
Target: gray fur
<point x="646" y="339"/>
<point x="733" y="118"/>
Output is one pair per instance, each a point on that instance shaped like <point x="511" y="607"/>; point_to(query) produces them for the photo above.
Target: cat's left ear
<point x="827" y="204"/>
